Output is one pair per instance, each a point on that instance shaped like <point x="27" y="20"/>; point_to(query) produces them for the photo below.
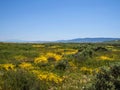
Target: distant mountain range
<point x="87" y="40"/>
<point x="76" y="40"/>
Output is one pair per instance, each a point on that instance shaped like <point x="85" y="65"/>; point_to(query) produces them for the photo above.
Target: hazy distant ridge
<point x="89" y="40"/>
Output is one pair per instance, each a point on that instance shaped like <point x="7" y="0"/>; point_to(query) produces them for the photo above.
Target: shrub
<point x="21" y="80"/>
<point x="102" y="49"/>
<point x="62" y="65"/>
<point x="107" y="79"/>
<point x="84" y="55"/>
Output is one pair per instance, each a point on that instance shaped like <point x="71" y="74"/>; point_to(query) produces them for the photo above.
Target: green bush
<point x="85" y="54"/>
<point x="62" y="65"/>
<point x="107" y="79"/>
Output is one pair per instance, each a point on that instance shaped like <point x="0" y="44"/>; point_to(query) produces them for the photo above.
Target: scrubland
<point x="59" y="66"/>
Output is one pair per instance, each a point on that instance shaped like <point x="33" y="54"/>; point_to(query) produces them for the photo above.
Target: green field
<point x="59" y="66"/>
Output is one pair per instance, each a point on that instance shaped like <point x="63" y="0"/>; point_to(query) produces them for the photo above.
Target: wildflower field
<point x="59" y="66"/>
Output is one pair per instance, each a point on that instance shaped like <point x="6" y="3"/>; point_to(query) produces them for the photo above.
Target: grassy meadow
<point x="59" y="66"/>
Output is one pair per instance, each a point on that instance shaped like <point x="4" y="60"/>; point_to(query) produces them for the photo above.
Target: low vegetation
<point x="59" y="66"/>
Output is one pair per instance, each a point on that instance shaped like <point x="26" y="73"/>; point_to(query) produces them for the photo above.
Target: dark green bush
<point x="62" y="65"/>
<point x="84" y="55"/>
<point x="102" y="49"/>
<point x="107" y="79"/>
<point x="51" y="59"/>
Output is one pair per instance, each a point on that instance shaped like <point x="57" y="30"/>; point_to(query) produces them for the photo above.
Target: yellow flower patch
<point x="67" y="51"/>
<point x="53" y="55"/>
<point x="105" y="58"/>
<point x="46" y="57"/>
<point x="48" y="77"/>
<point x="55" y="46"/>
<point x="87" y="70"/>
<point x="26" y="66"/>
<point x="7" y="66"/>
<point x="40" y="59"/>
<point x="38" y="46"/>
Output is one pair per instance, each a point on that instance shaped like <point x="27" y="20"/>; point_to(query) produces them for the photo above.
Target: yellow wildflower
<point x="86" y="70"/>
<point x="53" y="55"/>
<point x="46" y="76"/>
<point x="105" y="58"/>
<point x="40" y="59"/>
<point x="8" y="66"/>
<point x="46" y="57"/>
<point x="26" y="66"/>
<point x="68" y="51"/>
<point x="50" y="77"/>
<point x="56" y="46"/>
<point x="38" y="46"/>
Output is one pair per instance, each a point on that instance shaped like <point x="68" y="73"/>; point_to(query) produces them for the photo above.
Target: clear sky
<point x="58" y="19"/>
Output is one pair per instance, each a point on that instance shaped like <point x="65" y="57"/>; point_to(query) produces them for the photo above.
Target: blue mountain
<point x="87" y="40"/>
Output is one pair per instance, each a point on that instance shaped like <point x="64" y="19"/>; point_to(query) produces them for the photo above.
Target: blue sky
<point x="58" y="19"/>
